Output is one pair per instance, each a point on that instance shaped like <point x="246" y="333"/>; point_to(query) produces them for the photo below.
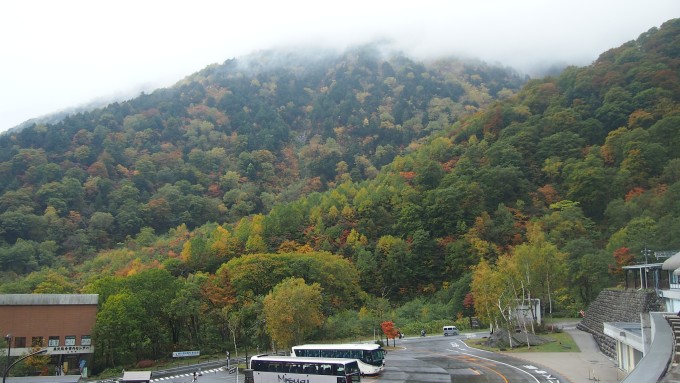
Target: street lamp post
<point x="4" y="376"/>
<point x="8" y="338"/>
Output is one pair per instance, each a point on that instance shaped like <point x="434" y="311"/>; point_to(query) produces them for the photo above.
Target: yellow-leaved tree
<point x="292" y="310"/>
<point x="486" y="291"/>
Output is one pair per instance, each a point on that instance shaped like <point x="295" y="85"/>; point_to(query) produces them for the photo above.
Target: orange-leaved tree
<point x="389" y="330"/>
<point x="622" y="257"/>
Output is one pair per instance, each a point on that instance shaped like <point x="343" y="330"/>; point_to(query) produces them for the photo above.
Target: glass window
<point x="325" y="369"/>
<point x="20" y="342"/>
<point x="85" y="340"/>
<point x="53" y="341"/>
<point x="70" y="340"/>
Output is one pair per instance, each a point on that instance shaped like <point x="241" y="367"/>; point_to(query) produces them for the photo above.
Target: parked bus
<point x="371" y="356"/>
<point x="277" y="369"/>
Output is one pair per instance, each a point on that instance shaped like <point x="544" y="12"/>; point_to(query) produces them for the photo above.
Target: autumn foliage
<point x="622" y="257"/>
<point x="389" y="330"/>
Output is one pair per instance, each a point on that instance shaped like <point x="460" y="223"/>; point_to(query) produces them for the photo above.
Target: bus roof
<point x="340" y="346"/>
<point x="302" y="360"/>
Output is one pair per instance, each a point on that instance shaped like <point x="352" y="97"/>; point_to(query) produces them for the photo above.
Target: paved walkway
<point x="586" y="366"/>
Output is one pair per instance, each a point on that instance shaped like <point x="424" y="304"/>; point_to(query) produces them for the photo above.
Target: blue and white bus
<point x="371" y="356"/>
<point x="281" y="369"/>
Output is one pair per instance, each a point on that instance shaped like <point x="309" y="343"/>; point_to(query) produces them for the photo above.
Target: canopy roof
<point x="672" y="263"/>
<point x="136" y="376"/>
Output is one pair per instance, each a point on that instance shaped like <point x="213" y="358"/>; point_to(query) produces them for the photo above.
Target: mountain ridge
<point x="242" y="140"/>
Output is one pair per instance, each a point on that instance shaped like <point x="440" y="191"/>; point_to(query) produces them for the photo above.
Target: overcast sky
<point x="56" y="54"/>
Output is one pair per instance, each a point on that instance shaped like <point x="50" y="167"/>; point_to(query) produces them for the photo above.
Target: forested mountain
<point x="586" y="162"/>
<point x="229" y="141"/>
<point x="386" y="188"/>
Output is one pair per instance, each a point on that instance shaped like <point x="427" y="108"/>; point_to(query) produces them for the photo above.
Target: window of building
<point x="20" y="342"/>
<point x="85" y="340"/>
<point x="37" y="341"/>
<point x="70" y="340"/>
<point x="53" y="341"/>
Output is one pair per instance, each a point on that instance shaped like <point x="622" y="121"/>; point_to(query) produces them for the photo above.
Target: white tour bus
<point x="277" y="369"/>
<point x="371" y="356"/>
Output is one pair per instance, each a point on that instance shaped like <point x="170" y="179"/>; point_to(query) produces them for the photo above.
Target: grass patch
<point x="561" y="342"/>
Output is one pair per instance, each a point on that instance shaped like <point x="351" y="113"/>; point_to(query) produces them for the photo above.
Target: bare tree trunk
<point x="524" y="319"/>
<point x="549" y="296"/>
<point x="507" y="319"/>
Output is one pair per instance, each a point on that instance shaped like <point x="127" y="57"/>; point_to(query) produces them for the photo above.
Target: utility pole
<point x="646" y="253"/>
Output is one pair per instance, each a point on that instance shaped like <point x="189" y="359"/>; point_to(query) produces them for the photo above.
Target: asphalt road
<point x="430" y="359"/>
<point x="214" y="375"/>
<point x="434" y="359"/>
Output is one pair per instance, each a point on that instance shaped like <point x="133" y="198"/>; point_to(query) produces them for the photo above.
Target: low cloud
<point x="73" y="51"/>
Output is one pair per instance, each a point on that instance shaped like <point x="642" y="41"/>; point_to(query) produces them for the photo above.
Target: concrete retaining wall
<point x="617" y="306"/>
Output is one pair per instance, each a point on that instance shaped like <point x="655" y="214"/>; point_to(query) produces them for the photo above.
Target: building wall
<point x="617" y="306"/>
<point x="47" y="318"/>
<point x="672" y="298"/>
<point x="627" y="357"/>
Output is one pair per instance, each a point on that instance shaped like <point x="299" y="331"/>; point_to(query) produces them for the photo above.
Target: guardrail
<point x="195" y="367"/>
<point x="187" y="369"/>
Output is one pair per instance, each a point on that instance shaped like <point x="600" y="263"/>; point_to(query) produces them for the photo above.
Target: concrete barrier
<point x="654" y="364"/>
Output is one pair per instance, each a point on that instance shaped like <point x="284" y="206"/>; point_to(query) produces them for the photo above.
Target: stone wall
<point x="617" y="306"/>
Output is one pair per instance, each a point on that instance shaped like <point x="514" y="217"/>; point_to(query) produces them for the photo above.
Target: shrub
<point x="146" y="363"/>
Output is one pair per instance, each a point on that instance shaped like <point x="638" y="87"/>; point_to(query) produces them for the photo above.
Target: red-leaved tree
<point x="390" y="331"/>
<point x="622" y="257"/>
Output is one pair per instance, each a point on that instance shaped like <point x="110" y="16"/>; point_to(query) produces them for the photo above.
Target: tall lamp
<point x="8" y="338"/>
<point x="44" y="350"/>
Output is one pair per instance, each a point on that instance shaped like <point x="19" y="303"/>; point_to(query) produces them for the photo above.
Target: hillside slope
<point x="589" y="156"/>
<point x="226" y="142"/>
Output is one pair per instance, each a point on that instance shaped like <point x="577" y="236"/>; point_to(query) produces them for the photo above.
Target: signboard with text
<point x="182" y="354"/>
<point x="70" y="350"/>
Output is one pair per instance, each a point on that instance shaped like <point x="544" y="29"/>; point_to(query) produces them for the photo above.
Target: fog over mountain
<point x="57" y="55"/>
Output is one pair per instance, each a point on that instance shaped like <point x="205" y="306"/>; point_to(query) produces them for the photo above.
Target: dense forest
<point x="359" y="187"/>
<point x="230" y="141"/>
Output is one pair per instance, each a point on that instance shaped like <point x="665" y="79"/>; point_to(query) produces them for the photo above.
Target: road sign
<point x="181" y="354"/>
